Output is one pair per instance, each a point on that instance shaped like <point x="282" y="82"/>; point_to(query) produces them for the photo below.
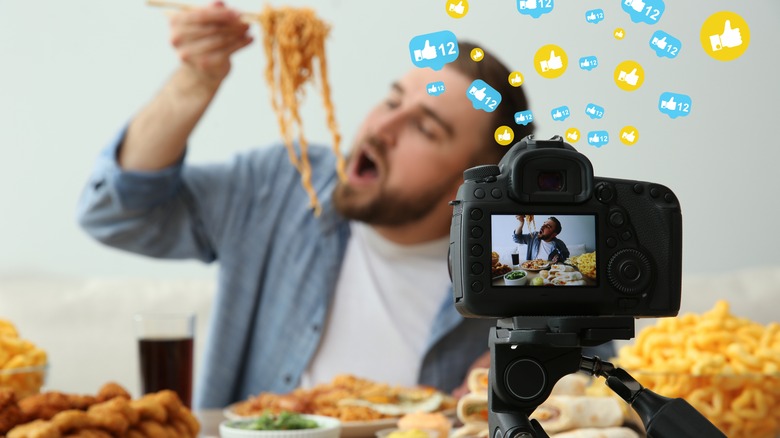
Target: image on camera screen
<point x="543" y="250"/>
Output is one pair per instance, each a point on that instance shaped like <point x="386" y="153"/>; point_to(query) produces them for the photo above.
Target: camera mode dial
<point x="480" y="173"/>
<point x="629" y="271"/>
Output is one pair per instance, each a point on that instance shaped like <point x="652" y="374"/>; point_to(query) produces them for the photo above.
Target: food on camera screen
<point x="536" y="264"/>
<point x="562" y="275"/>
<point x="585" y="263"/>
<point x="498" y="268"/>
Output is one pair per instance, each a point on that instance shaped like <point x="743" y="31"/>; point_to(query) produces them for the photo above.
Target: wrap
<point x="477" y="381"/>
<point x="473" y="408"/>
<point x="571" y="384"/>
<point x="607" y="432"/>
<point x="565" y="412"/>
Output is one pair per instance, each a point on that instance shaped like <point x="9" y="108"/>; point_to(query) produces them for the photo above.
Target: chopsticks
<point x="250" y="17"/>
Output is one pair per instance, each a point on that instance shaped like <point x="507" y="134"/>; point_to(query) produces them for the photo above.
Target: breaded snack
<point x="10" y="413"/>
<point x="45" y="405"/>
<point x="157" y="415"/>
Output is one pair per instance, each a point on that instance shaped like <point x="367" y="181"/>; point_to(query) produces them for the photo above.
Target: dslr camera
<point x="617" y="251"/>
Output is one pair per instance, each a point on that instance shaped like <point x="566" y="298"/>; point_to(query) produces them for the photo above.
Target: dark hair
<point x="558" y="227"/>
<point x="496" y="74"/>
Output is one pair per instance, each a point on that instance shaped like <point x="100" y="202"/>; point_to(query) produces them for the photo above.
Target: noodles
<point x="293" y="38"/>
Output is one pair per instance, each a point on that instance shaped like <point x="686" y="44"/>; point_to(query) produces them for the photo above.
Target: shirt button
<point x="287" y="379"/>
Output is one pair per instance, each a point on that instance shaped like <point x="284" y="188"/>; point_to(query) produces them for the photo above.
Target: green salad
<point x="281" y="421"/>
<point x="515" y="275"/>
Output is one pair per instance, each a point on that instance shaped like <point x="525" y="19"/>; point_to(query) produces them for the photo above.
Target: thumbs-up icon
<point x="504" y="135"/>
<point x="594" y="139"/>
<point x="550" y="61"/>
<point x="630" y="136"/>
<point x="637" y="5"/>
<point x="670" y="104"/>
<point x="515" y="79"/>
<point x="661" y="44"/>
<point x="573" y="136"/>
<point x="591" y="17"/>
<point x="557" y="115"/>
<point x="478" y="93"/>
<point x="729" y="38"/>
<point x="458" y="9"/>
<point x="619" y="34"/>
<point x="630" y="78"/>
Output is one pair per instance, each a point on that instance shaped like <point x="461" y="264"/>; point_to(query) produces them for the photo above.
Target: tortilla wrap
<point x="571" y="384"/>
<point x="477" y="381"/>
<point x="607" y="432"/>
<point x="565" y="412"/>
<point x="473" y="408"/>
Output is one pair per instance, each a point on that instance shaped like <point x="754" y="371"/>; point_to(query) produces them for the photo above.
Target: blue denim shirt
<point x="251" y="216"/>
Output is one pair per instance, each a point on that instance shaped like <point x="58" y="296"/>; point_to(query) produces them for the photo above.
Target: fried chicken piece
<point x="10" y="412"/>
<point x="186" y="416"/>
<point x="72" y="421"/>
<point x="89" y="433"/>
<point x="45" y="405"/>
<point x="133" y="432"/>
<point x="112" y="390"/>
<point x="35" y="429"/>
<point x="117" y="405"/>
<point x="152" y="429"/>
<point x="149" y="409"/>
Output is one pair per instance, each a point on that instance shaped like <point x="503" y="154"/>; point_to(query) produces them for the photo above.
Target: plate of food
<point x="363" y="406"/>
<point x="535" y="265"/>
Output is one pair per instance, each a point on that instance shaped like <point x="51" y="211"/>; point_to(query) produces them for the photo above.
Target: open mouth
<point x="366" y="168"/>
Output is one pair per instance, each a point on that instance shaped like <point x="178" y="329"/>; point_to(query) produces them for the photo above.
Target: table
<point x="209" y="422"/>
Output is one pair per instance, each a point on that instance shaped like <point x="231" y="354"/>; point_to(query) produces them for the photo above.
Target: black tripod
<point x="528" y="355"/>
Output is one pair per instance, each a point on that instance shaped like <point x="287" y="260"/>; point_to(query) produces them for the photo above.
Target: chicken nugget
<point x="150" y="409"/>
<point x="45" y="405"/>
<point x="185" y="415"/>
<point x="182" y="431"/>
<point x="152" y="429"/>
<point x="133" y="432"/>
<point x="35" y="429"/>
<point x="89" y="433"/>
<point x="111" y="421"/>
<point x="169" y="400"/>
<point x="10" y="412"/>
<point x="111" y="390"/>
<point x="119" y="405"/>
<point x="72" y="420"/>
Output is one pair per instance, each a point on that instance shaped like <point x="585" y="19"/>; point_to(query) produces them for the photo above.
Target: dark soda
<point x="167" y="364"/>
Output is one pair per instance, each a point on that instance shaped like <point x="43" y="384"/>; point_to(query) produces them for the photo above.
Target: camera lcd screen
<point x="543" y="250"/>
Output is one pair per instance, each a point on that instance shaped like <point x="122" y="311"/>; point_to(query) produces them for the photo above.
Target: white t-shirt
<point x="544" y="250"/>
<point x="386" y="299"/>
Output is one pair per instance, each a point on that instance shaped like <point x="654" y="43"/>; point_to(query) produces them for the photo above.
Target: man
<point x="543" y="244"/>
<point x="364" y="287"/>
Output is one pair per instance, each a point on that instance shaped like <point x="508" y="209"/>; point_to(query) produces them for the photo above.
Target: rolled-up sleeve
<point x="151" y="213"/>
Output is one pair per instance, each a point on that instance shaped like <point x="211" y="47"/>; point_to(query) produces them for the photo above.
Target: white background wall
<point x="71" y="73"/>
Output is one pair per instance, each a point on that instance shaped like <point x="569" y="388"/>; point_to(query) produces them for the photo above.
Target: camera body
<point x="627" y="234"/>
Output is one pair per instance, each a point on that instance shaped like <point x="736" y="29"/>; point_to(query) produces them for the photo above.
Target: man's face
<point x="547" y="230"/>
<point x="411" y="150"/>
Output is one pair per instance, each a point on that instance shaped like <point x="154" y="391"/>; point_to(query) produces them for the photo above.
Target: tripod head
<point x="528" y="355"/>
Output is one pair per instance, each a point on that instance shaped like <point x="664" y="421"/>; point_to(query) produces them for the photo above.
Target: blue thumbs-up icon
<point x="674" y="105"/>
<point x="644" y="11"/>
<point x="524" y="117"/>
<point x="434" y="49"/>
<point x="665" y="44"/>
<point x="560" y="114"/>
<point x="535" y="8"/>
<point x="598" y="138"/>
<point x="594" y="111"/>
<point x="435" y="88"/>
<point x="588" y="63"/>
<point x="483" y="96"/>
<point x="594" y="16"/>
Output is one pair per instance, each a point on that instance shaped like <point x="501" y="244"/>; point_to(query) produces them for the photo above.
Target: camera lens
<point x="551" y="181"/>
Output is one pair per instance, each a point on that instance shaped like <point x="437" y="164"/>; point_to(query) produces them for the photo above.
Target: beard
<point x="382" y="206"/>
